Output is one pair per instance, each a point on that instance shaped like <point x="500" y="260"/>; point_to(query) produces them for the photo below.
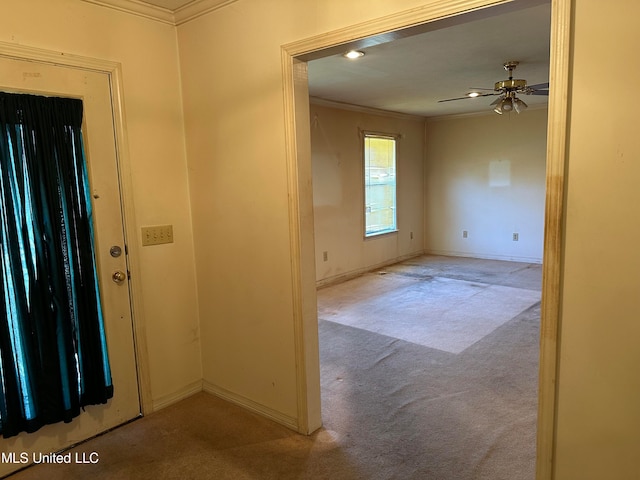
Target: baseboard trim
<point x="506" y="258"/>
<point x="343" y="277"/>
<point x="255" y="407"/>
<point x="185" y="392"/>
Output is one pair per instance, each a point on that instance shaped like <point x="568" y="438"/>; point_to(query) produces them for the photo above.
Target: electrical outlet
<point x="325" y="256"/>
<point x="411" y="235"/>
<point x="465" y="234"/>
<point x="515" y="237"/>
<point x="157" y="235"/>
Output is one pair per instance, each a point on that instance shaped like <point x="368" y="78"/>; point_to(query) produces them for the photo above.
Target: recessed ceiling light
<point x="352" y="54"/>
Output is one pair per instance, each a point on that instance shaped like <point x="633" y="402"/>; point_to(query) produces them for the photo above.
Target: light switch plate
<point x="157" y="234"/>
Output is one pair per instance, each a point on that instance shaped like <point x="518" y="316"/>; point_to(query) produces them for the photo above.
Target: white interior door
<point x="20" y="76"/>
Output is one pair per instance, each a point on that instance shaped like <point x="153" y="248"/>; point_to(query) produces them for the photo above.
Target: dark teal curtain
<point x="53" y="353"/>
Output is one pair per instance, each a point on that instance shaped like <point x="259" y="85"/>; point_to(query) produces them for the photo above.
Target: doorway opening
<point x="295" y="56"/>
<point x="423" y="345"/>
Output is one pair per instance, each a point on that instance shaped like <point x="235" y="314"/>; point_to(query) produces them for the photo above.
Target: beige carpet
<point x="437" y="312"/>
<point x="392" y="409"/>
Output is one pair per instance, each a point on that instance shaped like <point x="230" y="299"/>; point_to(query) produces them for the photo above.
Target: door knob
<point x="118" y="277"/>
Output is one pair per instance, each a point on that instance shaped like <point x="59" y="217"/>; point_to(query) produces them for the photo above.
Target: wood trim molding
<point x="244" y="402"/>
<point x="298" y="159"/>
<point x="181" y="394"/>
<point x="384" y="28"/>
<point x="136" y="7"/>
<point x="184" y="14"/>
<point x="387" y="28"/>
<point x="301" y="241"/>
<point x="557" y="131"/>
<point x="197" y="8"/>
<point x="368" y="110"/>
<point x="343" y="277"/>
<point x="131" y="227"/>
<point x="114" y="70"/>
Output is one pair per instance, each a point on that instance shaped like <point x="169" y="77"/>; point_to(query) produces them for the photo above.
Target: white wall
<point x="485" y="174"/>
<point x="338" y="196"/>
<point x="148" y="53"/>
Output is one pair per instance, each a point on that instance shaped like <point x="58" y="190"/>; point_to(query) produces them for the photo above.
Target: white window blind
<point x="379" y="184"/>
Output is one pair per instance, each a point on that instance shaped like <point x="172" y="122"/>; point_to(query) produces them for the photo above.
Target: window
<point x="379" y="184"/>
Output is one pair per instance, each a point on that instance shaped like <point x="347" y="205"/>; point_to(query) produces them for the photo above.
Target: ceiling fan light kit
<point x="508" y="90"/>
<point x="509" y="103"/>
<point x="519" y="105"/>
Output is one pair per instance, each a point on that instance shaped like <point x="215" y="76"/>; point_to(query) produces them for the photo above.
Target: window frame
<point x="365" y="134"/>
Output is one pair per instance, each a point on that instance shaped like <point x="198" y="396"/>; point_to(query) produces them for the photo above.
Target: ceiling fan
<point x="507" y="91"/>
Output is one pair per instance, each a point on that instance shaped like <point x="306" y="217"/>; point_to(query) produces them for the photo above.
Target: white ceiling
<point x="409" y="71"/>
<point x="410" y="74"/>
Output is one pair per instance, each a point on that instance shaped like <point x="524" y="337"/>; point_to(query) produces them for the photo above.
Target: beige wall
<point x="154" y="121"/>
<point x="485" y="174"/>
<point x="472" y="182"/>
<point x="598" y="430"/>
<point x="336" y="157"/>
<point x="235" y="134"/>
<point x="237" y="169"/>
<point x="234" y="111"/>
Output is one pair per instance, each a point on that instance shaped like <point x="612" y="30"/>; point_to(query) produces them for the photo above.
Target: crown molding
<point x="488" y="112"/>
<point x="184" y="14"/>
<point x="407" y="116"/>
<point x="197" y="8"/>
<point x="136" y="7"/>
<point x="322" y="102"/>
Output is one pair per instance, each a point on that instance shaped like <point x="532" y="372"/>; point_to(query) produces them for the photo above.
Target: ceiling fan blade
<point x="497" y="100"/>
<point x="538" y="92"/>
<point x="539" y="86"/>
<point x="452" y="99"/>
<point x="466" y="97"/>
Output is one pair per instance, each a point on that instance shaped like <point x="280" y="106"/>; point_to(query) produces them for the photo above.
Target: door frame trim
<point x="298" y="156"/>
<point x="114" y="72"/>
